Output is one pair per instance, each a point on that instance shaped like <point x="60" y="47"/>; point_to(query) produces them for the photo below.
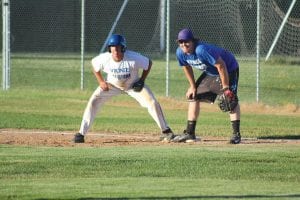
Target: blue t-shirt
<point x="205" y="57"/>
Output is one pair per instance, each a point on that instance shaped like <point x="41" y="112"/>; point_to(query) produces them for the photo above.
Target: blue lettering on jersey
<point x="121" y="73"/>
<point x="120" y="70"/>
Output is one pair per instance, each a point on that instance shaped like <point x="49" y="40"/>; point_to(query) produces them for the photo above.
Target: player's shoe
<point x="78" y="138"/>
<point x="185" y="137"/>
<point x="167" y="135"/>
<point x="235" y="139"/>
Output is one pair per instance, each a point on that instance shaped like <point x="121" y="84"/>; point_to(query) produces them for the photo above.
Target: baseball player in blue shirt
<point x="219" y="79"/>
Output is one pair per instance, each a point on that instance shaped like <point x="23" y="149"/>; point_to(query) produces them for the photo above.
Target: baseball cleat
<point x="78" y="138"/>
<point x="167" y="135"/>
<point x="186" y="137"/>
<point x="235" y="139"/>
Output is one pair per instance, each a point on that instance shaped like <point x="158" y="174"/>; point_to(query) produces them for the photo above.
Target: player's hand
<point x="191" y="93"/>
<point x="104" y="86"/>
<point x="228" y="93"/>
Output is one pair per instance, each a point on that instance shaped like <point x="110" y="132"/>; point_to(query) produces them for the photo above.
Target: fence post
<point x="82" y="42"/>
<point x="162" y="7"/>
<point x="257" y="49"/>
<point x="167" y="47"/>
<point x="6" y="45"/>
<point x="280" y="29"/>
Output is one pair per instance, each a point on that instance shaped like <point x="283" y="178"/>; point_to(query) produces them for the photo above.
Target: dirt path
<point x="64" y="139"/>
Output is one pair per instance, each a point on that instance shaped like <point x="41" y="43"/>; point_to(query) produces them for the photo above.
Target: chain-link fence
<point x="54" y="26"/>
<point x="44" y="34"/>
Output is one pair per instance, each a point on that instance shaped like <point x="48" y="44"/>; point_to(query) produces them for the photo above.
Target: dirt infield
<point x="64" y="139"/>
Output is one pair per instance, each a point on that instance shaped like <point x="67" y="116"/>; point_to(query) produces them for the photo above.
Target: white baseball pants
<point x="145" y="97"/>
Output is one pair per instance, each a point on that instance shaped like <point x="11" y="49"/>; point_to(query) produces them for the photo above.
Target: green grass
<point x="45" y="95"/>
<point x="182" y="172"/>
<point x="278" y="85"/>
<point x="62" y="110"/>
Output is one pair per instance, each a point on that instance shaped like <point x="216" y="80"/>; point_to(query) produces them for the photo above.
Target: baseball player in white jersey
<point x="122" y="69"/>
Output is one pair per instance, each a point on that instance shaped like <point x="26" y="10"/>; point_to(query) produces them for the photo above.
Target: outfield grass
<point x="165" y="172"/>
<point x="45" y="95"/>
<point x="278" y="85"/>
<point x="62" y="110"/>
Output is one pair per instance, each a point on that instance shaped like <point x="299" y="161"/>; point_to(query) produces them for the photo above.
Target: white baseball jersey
<point x="124" y="73"/>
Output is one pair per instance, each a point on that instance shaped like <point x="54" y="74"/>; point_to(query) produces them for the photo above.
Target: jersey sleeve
<point x="97" y="63"/>
<point x="180" y="58"/>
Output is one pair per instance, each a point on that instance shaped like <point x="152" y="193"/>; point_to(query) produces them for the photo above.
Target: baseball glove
<point x="138" y="86"/>
<point x="227" y="101"/>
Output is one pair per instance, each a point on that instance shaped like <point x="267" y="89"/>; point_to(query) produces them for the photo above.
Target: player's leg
<point x="147" y="100"/>
<point x="97" y="99"/>
<point x="204" y="84"/>
<point x="235" y="115"/>
<point x="235" y="123"/>
<point x="189" y="133"/>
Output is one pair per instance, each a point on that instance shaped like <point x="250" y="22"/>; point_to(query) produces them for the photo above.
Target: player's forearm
<point x="99" y="77"/>
<point x="146" y="72"/>
<point x="222" y="69"/>
<point x="224" y="77"/>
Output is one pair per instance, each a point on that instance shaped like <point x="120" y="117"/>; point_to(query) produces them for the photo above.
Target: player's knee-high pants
<point x="144" y="97"/>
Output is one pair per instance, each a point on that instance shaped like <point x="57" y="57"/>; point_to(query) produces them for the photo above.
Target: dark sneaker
<point x="78" y="138"/>
<point x="235" y="139"/>
<point x="185" y="137"/>
<point x="167" y="135"/>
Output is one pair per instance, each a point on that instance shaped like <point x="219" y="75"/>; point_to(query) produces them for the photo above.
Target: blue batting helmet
<point x="117" y="40"/>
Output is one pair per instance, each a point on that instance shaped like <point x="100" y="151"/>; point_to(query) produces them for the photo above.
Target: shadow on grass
<point x="283" y="137"/>
<point x="197" y="197"/>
